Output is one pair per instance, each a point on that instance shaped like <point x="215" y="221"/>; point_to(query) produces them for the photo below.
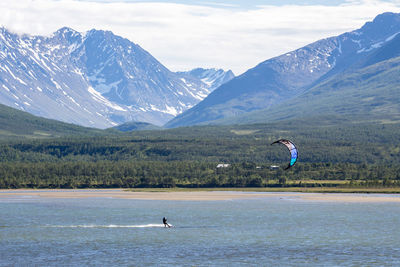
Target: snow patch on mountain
<point x="213" y="78"/>
<point x="99" y="98"/>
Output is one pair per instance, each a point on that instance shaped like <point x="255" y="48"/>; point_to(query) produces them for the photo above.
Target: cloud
<point x="187" y="36"/>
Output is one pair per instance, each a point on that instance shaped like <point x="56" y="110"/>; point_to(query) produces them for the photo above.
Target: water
<point x="258" y="232"/>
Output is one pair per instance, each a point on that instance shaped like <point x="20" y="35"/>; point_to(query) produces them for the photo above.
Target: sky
<point x="185" y="34"/>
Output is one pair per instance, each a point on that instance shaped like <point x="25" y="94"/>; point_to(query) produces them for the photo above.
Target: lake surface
<point x="272" y="231"/>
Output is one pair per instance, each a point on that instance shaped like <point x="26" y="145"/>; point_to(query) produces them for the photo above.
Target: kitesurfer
<point x="164" y="220"/>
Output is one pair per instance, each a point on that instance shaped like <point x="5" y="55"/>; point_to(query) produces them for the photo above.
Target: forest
<point x="356" y="154"/>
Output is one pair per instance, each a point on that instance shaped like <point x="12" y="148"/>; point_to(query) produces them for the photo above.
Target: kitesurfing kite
<point x="292" y="149"/>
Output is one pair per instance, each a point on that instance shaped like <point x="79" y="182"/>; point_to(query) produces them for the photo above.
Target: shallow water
<point x="271" y="231"/>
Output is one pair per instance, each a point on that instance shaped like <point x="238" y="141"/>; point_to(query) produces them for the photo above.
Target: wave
<point x="108" y="226"/>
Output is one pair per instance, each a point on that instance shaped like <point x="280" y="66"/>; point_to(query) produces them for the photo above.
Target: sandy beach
<point x="197" y="195"/>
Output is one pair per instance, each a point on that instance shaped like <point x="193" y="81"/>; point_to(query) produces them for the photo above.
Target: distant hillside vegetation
<point x="18" y="124"/>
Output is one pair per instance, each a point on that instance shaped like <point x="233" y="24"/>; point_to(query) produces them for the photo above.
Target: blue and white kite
<point x="292" y="149"/>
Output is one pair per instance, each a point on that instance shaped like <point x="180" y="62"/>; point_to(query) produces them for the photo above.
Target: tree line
<point x="188" y="157"/>
<point x="127" y="174"/>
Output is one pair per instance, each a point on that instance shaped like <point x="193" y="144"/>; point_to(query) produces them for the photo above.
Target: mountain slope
<point x="94" y="79"/>
<point x="280" y="79"/>
<point x="16" y="124"/>
<point x="368" y="94"/>
<point x="128" y="75"/>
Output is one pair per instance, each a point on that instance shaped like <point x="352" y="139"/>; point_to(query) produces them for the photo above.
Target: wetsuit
<point x="164" y="220"/>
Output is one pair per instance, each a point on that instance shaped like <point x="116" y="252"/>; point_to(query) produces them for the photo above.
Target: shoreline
<point x="197" y="195"/>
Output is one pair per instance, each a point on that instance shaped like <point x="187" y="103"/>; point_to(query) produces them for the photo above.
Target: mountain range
<point x="95" y="79"/>
<point x="100" y="80"/>
<point x="353" y="73"/>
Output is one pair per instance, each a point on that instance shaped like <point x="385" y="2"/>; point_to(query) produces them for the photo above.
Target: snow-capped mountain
<point x="214" y="78"/>
<point x="93" y="79"/>
<point x="279" y="79"/>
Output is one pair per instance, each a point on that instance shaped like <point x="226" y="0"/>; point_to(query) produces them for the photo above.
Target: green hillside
<point x="368" y="94"/>
<point x="17" y="124"/>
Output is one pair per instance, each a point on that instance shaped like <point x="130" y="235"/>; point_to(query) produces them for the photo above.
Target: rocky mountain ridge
<point x="277" y="80"/>
<point x="93" y="79"/>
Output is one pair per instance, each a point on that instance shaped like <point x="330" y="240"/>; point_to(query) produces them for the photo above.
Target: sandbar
<point x="197" y="195"/>
<point x="127" y="194"/>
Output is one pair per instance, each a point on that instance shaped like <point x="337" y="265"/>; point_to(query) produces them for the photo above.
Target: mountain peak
<point x="66" y="31"/>
<point x="68" y="34"/>
<point x="100" y="33"/>
<point x="109" y="37"/>
<point x="387" y="17"/>
<point x="382" y="24"/>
